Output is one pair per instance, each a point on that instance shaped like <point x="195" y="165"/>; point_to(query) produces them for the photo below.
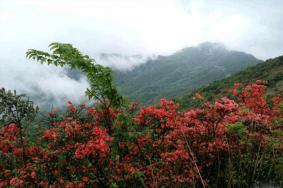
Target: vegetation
<point x="172" y="76"/>
<point x="17" y="110"/>
<point x="101" y="86"/>
<point x="230" y="142"/>
<point x="270" y="70"/>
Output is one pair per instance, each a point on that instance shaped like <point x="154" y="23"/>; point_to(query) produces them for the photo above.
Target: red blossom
<point x="16" y="182"/>
<point x="33" y="175"/>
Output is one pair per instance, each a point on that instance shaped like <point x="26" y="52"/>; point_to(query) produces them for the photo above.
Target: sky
<point x="127" y="27"/>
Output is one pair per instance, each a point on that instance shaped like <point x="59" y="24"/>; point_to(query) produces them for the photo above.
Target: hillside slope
<point x="172" y="76"/>
<point x="271" y="71"/>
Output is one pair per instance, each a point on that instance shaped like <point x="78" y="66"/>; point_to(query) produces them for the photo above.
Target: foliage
<point x="15" y="111"/>
<point x="234" y="141"/>
<point x="101" y="86"/>
<point x="15" y="108"/>
<point x="270" y="70"/>
<point x="225" y="143"/>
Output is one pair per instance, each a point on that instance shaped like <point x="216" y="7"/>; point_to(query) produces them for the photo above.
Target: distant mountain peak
<point x="211" y="45"/>
<point x="185" y="70"/>
<point x="205" y="47"/>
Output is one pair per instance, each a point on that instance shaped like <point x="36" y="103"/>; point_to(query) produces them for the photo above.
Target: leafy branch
<point x="99" y="77"/>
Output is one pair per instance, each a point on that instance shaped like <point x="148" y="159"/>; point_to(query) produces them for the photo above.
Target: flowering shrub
<point x="226" y="143"/>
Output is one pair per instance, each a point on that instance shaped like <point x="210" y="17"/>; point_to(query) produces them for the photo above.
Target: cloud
<point x="126" y="27"/>
<point x="152" y="27"/>
<point x="123" y="62"/>
<point x="44" y="84"/>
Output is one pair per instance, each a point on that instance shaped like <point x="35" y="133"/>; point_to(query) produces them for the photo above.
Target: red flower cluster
<point x="159" y="146"/>
<point x="97" y="146"/>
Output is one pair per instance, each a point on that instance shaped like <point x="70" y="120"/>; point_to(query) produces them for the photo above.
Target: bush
<point x="226" y="143"/>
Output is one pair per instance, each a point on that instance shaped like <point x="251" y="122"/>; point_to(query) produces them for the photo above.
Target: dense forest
<point x="227" y="134"/>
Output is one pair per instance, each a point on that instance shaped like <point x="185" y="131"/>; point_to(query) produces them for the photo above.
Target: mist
<point x="134" y="30"/>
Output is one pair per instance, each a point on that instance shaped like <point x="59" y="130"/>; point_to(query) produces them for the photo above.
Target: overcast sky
<point x="128" y="27"/>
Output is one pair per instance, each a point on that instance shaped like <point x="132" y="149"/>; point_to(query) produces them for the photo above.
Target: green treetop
<point x="99" y="77"/>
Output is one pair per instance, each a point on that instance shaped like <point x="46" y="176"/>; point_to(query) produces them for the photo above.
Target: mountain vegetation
<point x="271" y="71"/>
<point x="174" y="75"/>
<point x="235" y="141"/>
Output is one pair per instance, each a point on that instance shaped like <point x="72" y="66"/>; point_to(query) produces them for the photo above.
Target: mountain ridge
<point x="271" y="71"/>
<point x="185" y="70"/>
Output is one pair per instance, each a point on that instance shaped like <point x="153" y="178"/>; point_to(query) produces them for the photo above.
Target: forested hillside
<point x="271" y="71"/>
<point x="185" y="70"/>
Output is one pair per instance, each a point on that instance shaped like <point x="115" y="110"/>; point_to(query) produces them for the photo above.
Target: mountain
<point x="190" y="68"/>
<point x="271" y="70"/>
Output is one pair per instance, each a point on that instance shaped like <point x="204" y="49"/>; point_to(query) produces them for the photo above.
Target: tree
<point x="14" y="110"/>
<point x="100" y="79"/>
